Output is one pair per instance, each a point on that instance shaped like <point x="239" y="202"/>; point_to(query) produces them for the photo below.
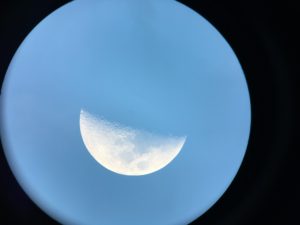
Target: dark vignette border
<point x="262" y="35"/>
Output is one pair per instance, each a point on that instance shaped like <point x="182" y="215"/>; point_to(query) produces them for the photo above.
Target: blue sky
<point x="152" y="65"/>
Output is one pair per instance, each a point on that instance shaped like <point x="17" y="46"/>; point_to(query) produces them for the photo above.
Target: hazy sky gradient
<point x="152" y="65"/>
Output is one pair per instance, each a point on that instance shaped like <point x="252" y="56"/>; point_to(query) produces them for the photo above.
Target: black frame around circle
<point x="261" y="34"/>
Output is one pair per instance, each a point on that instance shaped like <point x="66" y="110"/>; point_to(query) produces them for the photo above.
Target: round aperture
<point x="125" y="112"/>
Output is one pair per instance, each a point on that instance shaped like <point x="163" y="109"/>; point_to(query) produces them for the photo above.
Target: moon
<point x="125" y="150"/>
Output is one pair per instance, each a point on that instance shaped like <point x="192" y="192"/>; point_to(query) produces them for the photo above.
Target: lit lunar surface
<point x="160" y="88"/>
<point x="125" y="150"/>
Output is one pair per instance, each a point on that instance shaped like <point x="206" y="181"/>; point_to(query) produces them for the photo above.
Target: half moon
<point x="125" y="150"/>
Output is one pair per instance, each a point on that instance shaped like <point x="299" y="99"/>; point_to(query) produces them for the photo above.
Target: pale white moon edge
<point x="125" y="150"/>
